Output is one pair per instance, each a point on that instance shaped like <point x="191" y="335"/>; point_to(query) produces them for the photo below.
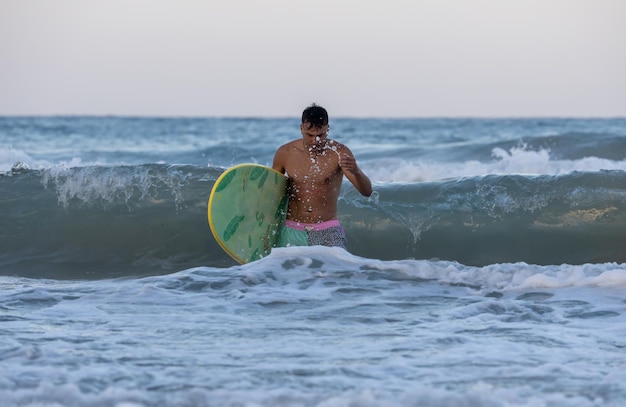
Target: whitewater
<point x="487" y="269"/>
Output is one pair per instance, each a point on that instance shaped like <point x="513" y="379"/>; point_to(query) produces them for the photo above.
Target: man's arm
<point x="354" y="174"/>
<point x="279" y="159"/>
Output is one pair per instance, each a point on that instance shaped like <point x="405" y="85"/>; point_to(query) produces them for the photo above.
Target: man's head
<point x="314" y="127"/>
<point x="315" y="116"/>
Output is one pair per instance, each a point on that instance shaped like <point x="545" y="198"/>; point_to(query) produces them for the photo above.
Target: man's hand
<point x="348" y="163"/>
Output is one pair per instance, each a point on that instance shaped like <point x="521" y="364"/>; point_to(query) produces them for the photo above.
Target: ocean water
<point x="487" y="269"/>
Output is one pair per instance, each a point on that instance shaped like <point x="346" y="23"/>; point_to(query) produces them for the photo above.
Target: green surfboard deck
<point x="247" y="209"/>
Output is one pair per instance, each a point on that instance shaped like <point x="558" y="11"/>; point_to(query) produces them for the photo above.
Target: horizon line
<point x="278" y="117"/>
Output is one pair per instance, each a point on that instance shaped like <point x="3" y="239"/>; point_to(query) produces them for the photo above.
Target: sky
<point x="272" y="58"/>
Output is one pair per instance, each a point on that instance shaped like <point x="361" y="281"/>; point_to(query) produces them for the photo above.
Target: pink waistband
<point x="311" y="226"/>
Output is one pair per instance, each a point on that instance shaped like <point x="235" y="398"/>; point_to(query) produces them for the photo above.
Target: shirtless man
<point x="315" y="166"/>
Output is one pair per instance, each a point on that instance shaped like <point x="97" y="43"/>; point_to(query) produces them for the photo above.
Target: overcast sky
<point x="364" y="58"/>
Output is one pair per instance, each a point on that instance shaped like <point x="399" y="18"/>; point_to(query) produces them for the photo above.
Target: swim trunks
<point x="329" y="233"/>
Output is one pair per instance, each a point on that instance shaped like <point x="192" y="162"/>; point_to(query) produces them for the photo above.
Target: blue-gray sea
<point x="487" y="269"/>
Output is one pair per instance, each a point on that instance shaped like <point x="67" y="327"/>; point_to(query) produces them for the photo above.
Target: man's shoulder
<point x="286" y="149"/>
<point x="337" y="145"/>
<point x="290" y="144"/>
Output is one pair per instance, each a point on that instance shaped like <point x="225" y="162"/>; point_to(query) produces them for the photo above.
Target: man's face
<point x="313" y="136"/>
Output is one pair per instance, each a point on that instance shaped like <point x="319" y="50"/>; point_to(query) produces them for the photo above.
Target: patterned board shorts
<point x="328" y="233"/>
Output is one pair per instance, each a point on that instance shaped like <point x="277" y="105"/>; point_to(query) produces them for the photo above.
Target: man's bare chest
<point x="316" y="169"/>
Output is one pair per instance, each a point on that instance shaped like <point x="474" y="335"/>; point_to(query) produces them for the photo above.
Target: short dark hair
<point x="315" y="115"/>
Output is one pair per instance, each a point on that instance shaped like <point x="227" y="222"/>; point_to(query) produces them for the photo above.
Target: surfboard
<point x="247" y="209"/>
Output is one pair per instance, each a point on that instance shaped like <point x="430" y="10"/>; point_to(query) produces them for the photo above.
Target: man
<point x="315" y="166"/>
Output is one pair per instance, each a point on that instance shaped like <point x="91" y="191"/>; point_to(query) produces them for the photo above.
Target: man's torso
<point x="314" y="183"/>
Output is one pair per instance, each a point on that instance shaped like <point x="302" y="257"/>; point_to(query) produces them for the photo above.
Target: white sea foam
<point x="317" y="326"/>
<point x="517" y="160"/>
<point x="506" y="276"/>
<point x="9" y="157"/>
